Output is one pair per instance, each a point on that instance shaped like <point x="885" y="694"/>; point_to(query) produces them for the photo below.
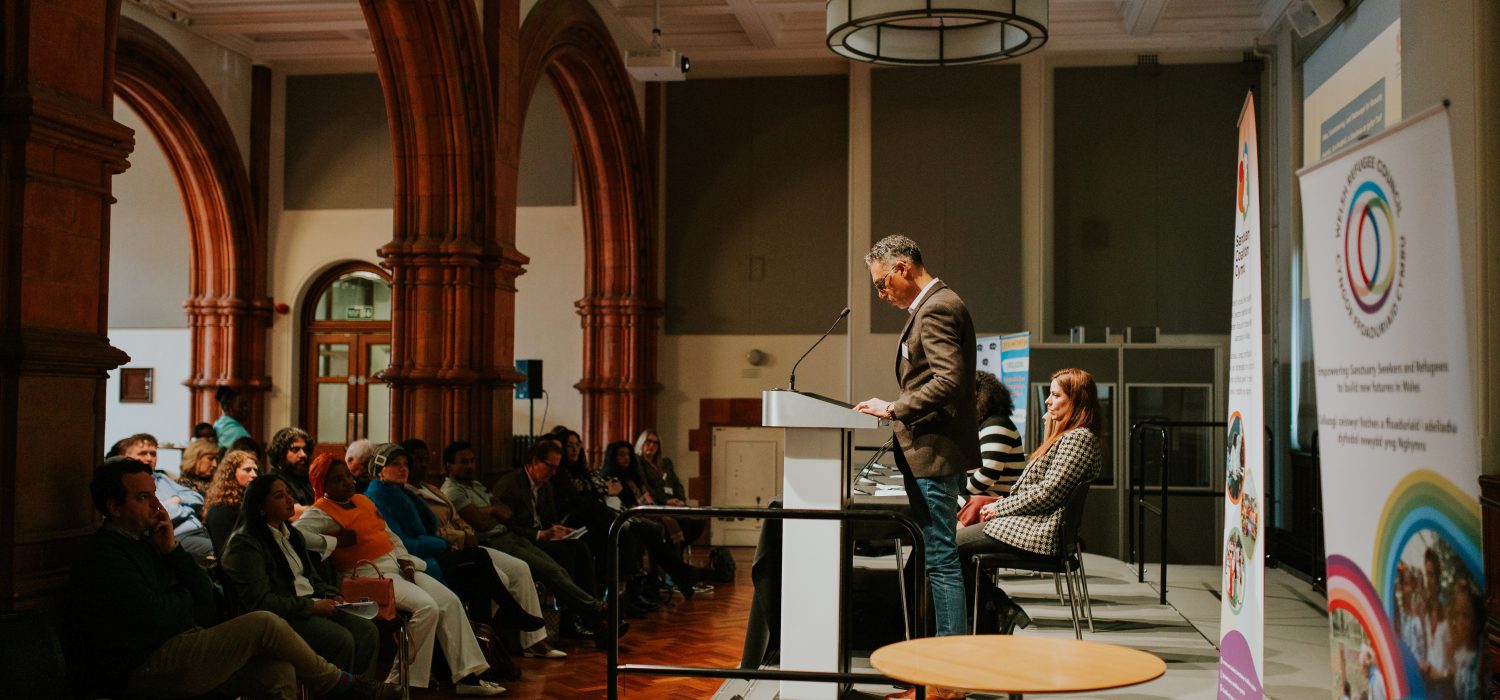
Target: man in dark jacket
<point x="147" y="612"/>
<point x="528" y="492"/>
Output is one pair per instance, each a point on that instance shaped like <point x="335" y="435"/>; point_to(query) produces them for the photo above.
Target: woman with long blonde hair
<point x="1029" y="519"/>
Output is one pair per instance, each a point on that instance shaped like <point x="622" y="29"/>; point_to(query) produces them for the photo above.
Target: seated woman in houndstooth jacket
<point x="1029" y="518"/>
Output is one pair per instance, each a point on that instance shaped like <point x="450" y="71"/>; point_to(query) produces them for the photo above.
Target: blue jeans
<point x="945" y="574"/>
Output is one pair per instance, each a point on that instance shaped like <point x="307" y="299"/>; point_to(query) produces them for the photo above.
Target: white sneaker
<point x="483" y="687"/>
<point x="544" y="651"/>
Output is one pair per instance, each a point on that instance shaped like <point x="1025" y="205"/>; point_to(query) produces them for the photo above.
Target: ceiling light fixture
<point x="928" y="33"/>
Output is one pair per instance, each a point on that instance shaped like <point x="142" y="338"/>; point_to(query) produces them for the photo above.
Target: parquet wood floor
<point x="709" y="630"/>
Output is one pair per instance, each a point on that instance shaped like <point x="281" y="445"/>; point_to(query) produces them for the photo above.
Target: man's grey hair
<point x="895" y="247"/>
<point x="359" y="451"/>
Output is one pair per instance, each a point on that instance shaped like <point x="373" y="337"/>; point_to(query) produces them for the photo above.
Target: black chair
<point x="1068" y="563"/>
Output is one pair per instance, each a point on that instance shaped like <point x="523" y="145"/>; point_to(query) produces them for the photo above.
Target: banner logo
<point x="1372" y="264"/>
<point x="1242" y="190"/>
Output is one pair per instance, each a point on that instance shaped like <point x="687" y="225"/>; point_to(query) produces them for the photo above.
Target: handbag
<point x="970" y="513"/>
<point x="377" y="589"/>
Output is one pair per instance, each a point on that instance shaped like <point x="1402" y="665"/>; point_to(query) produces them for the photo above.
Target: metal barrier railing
<point x="1137" y="486"/>
<point x="616" y="668"/>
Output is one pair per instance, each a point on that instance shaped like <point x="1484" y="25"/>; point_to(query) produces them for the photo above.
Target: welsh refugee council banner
<point x="1242" y="610"/>
<point x="1400" y="456"/>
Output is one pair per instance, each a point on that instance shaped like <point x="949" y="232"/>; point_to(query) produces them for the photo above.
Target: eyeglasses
<point x="881" y="284"/>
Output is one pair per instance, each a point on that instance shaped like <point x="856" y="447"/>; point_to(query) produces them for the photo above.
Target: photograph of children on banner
<point x="1234" y="570"/>
<point x="1234" y="458"/>
<point x="1439" y="618"/>
<point x="1249" y="517"/>
<point x="1357" y="675"/>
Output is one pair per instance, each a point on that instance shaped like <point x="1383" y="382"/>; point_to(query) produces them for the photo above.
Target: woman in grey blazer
<point x="1028" y="520"/>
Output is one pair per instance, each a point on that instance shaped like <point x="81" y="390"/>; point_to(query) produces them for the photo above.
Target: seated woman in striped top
<point x="1001" y="458"/>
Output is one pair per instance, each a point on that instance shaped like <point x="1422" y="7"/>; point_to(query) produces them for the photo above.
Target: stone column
<point x="59" y="147"/>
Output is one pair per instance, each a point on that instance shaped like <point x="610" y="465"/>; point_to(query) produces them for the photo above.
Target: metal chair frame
<point x="1068" y="563"/>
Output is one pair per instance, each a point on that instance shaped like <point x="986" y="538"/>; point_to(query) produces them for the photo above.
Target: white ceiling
<point x="307" y="33"/>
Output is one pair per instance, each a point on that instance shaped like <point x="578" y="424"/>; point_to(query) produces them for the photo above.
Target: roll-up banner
<point x="1241" y="611"/>
<point x="1400" y="456"/>
<point x="1008" y="357"/>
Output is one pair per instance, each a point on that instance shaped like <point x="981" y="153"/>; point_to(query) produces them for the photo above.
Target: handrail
<point x="1163" y="428"/>
<point x="616" y="668"/>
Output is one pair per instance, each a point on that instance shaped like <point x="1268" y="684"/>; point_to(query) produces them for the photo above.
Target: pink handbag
<point x="377" y="589"/>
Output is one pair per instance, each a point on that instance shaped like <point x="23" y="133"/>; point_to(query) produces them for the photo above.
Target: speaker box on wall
<point x="531" y="387"/>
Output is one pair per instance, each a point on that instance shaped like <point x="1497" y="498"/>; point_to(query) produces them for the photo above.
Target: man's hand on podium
<point x="877" y="407"/>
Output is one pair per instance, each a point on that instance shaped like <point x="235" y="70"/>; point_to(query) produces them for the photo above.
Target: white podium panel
<point x="812" y="478"/>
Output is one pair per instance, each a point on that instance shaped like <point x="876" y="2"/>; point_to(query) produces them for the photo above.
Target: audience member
<point x="1028" y="520"/>
<point x="288" y="456"/>
<point x="268" y="568"/>
<point x="346" y="528"/>
<point x="1000" y="455"/>
<point x="467" y="570"/>
<point x="662" y="487"/>
<point x="514" y="574"/>
<point x="183" y="505"/>
<point x="148" y="612"/>
<point x="584" y="613"/>
<point x="199" y="459"/>
<point x="205" y="431"/>
<point x="357" y="456"/>
<point x="235" y="472"/>
<point x="232" y="408"/>
<point x="528" y="494"/>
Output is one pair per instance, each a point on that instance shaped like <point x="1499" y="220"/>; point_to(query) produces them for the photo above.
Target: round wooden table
<point x="1003" y="663"/>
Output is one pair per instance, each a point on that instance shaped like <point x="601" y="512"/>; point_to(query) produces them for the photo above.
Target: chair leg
<point x="1088" y="602"/>
<point x="1073" y="603"/>
<point x="403" y="660"/>
<point x="974" y="619"/>
<point x="901" y="588"/>
<point x="1057" y="584"/>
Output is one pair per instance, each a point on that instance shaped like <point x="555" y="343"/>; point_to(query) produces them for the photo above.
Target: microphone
<point x="792" y="382"/>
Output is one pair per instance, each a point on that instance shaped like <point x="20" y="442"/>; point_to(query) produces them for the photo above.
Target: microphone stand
<point x="792" y="381"/>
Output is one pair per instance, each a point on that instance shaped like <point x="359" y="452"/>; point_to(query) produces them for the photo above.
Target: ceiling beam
<point x="1140" y="16"/>
<point x="763" y="28"/>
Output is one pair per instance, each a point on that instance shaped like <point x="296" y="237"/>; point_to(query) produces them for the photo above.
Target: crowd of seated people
<point x="271" y="532"/>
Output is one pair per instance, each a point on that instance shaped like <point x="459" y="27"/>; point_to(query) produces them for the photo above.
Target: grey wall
<point x="756" y="204"/>
<point x="338" y="146"/>
<point x="1143" y="184"/>
<point x="946" y="163"/>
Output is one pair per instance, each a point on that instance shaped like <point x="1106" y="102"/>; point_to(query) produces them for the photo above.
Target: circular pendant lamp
<point x="935" y="32"/>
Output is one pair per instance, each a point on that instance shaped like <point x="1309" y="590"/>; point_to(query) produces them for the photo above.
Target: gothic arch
<point x="227" y="306"/>
<point x="567" y="42"/>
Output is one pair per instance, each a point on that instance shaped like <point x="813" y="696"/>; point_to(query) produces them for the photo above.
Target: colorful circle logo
<point x="1371" y="266"/>
<point x="1242" y="190"/>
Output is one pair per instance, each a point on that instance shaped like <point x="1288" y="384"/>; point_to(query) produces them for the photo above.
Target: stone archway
<point x="452" y="257"/>
<point x="227" y="307"/>
<point x="567" y="42"/>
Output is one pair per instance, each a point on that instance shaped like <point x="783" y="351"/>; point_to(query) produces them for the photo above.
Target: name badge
<point x="668" y="489"/>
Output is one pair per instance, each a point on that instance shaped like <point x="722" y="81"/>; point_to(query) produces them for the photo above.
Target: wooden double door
<point x="346" y="399"/>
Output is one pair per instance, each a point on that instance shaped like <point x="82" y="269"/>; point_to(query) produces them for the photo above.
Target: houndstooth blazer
<point x="1031" y="515"/>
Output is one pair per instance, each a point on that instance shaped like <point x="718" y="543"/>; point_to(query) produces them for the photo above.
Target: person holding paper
<point x="937" y="432"/>
<point x="268" y="568"/>
<point x="534" y="514"/>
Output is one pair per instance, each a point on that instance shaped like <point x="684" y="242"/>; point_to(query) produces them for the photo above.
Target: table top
<point x="1003" y="663"/>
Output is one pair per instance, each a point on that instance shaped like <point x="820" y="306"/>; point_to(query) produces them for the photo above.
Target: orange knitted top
<point x="368" y="527"/>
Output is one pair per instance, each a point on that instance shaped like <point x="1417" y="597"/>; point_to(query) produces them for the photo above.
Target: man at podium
<point x="937" y="434"/>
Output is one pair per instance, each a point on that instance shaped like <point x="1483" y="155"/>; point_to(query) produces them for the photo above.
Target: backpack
<point x="722" y="564"/>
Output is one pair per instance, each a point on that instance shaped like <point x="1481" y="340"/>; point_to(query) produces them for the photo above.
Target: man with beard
<point x="288" y="455"/>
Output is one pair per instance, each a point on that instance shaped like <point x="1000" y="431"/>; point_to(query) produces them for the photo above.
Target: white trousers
<point x="516" y="576"/>
<point x="437" y="615"/>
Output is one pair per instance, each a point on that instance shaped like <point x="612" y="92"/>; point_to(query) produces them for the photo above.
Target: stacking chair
<point x="1068" y="563"/>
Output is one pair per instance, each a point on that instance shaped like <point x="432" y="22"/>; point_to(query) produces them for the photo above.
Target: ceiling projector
<point x="656" y="65"/>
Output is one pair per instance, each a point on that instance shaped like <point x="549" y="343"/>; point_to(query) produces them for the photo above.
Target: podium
<point x="814" y="476"/>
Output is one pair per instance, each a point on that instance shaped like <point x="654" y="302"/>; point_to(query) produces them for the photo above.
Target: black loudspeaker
<point x="531" y="387"/>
